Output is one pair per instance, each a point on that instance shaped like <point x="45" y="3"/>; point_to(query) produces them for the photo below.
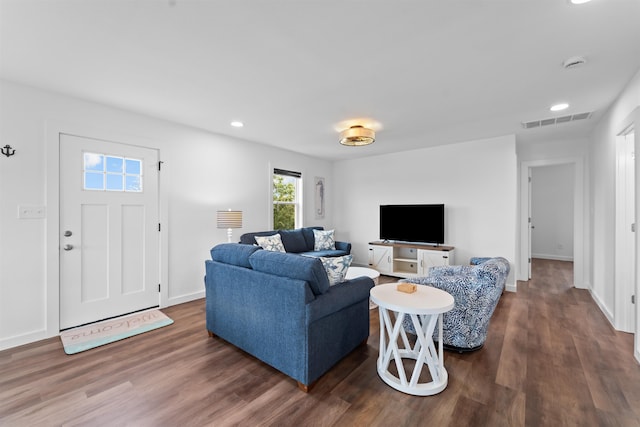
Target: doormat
<point x="107" y="331"/>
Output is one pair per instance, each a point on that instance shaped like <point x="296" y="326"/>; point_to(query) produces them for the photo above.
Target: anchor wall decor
<point x="7" y="150"/>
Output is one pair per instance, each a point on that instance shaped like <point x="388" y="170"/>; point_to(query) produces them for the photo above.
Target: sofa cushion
<point x="336" y="268"/>
<point x="233" y="253"/>
<point x="250" y="238"/>
<point x="323" y="240"/>
<point x="318" y="254"/>
<point x="307" y="232"/>
<point x="271" y="243"/>
<point x="293" y="240"/>
<point x="292" y="265"/>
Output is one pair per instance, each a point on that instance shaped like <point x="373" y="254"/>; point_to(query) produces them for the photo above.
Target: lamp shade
<point x="229" y="219"/>
<point x="357" y="136"/>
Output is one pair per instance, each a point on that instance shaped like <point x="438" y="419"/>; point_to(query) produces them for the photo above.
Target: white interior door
<point x="109" y="229"/>
<point x="625" y="236"/>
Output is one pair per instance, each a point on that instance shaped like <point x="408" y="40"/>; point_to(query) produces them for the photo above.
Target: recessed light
<point x="559" y="107"/>
<point x="237" y="124"/>
<point x="580" y="1"/>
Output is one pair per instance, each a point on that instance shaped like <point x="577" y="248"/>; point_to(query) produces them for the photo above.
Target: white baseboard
<point x="603" y="308"/>
<point x="511" y="287"/>
<point x="23" y="339"/>
<point x="552" y="257"/>
<point x="185" y="298"/>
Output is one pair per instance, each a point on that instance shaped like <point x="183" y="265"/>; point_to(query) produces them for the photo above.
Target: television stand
<point x="405" y="260"/>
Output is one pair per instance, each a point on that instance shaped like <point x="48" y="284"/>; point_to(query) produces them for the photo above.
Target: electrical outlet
<point x="32" y="212"/>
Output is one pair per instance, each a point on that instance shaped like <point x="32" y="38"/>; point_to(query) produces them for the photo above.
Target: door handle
<point x="68" y="247"/>
<point x="67" y="233"/>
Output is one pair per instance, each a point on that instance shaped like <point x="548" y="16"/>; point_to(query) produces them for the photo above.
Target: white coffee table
<point x="354" y="272"/>
<point x="425" y="307"/>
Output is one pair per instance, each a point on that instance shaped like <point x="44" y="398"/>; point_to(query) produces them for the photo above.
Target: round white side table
<point x="353" y="272"/>
<point x="425" y="308"/>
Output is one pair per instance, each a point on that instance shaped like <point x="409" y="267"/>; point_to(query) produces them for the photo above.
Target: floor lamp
<point x="229" y="219"/>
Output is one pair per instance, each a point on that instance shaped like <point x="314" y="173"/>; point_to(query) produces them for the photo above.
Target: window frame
<point x="298" y="196"/>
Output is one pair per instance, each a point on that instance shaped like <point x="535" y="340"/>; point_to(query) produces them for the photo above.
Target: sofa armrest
<point x="344" y="246"/>
<point x="338" y="297"/>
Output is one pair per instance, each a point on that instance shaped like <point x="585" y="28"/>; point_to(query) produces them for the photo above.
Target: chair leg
<point x="211" y="334"/>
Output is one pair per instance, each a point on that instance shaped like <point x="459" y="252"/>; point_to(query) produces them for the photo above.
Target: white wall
<point x="603" y="159"/>
<point x="552" y="191"/>
<point x="202" y="173"/>
<point x="476" y="180"/>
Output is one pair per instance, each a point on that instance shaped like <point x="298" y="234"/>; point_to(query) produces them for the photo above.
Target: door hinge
<point x="529" y="260"/>
<point x="633" y="299"/>
<point x="158" y="287"/>
<point x="159" y="227"/>
<point x="160" y="165"/>
<point x="633" y="227"/>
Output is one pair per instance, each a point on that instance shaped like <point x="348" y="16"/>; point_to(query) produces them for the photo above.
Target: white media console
<point x="407" y="259"/>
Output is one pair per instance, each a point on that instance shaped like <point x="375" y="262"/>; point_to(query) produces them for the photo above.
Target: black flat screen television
<point x="412" y="223"/>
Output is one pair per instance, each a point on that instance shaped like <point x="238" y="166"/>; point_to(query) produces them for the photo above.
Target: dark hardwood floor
<point x="551" y="359"/>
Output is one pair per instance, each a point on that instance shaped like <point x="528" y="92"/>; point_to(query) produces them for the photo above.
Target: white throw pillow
<point x="323" y="240"/>
<point x="336" y="267"/>
<point x="271" y="243"/>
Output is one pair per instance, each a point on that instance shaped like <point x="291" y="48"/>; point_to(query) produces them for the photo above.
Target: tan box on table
<point x="407" y="288"/>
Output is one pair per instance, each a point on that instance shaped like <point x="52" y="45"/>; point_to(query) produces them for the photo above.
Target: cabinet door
<point x="430" y="259"/>
<point x="380" y="258"/>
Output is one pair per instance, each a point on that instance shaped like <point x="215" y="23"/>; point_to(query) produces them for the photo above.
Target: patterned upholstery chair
<point x="476" y="290"/>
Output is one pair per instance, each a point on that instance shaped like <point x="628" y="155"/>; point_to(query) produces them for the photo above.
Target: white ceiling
<point x="428" y="72"/>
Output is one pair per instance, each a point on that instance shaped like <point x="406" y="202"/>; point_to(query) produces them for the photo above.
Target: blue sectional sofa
<point x="476" y="290"/>
<point x="300" y="241"/>
<point x="280" y="308"/>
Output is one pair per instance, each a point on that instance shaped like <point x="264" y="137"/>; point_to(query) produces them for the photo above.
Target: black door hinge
<point x="160" y="165"/>
<point x="158" y="287"/>
<point x="159" y="227"/>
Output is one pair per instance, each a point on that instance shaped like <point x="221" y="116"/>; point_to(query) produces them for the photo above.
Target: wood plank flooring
<point x="551" y="359"/>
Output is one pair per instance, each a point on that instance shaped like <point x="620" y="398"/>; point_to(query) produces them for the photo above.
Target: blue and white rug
<point x="107" y="331"/>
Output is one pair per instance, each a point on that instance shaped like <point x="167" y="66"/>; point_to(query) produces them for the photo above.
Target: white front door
<point x="109" y="229"/>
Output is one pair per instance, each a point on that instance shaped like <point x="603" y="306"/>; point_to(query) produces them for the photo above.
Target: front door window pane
<point x="114" y="182"/>
<point x="93" y="162"/>
<point x="133" y="183"/>
<point x="115" y="164"/>
<point x="93" y="181"/>
<point x="112" y="173"/>
<point x="133" y="166"/>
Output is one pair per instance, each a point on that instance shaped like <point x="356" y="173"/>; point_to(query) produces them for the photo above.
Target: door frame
<point x="622" y="313"/>
<point x="579" y="247"/>
<point x="53" y="129"/>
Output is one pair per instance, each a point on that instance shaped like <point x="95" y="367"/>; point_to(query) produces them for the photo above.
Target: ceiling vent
<point x="556" y="120"/>
<point x="573" y="62"/>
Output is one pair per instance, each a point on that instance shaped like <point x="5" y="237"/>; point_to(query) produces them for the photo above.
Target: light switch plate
<point x="32" y="212"/>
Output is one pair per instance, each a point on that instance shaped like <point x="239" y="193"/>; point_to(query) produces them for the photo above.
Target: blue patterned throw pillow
<point x="336" y="268"/>
<point x="271" y="243"/>
<point x="323" y="240"/>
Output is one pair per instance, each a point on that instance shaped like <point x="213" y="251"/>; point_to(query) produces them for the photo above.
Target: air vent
<point x="574" y="61"/>
<point x="556" y="120"/>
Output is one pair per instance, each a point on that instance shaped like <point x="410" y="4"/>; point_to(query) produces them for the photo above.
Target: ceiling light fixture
<point x="237" y="124"/>
<point x="580" y="1"/>
<point x="357" y="136"/>
<point x="559" y="107"/>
